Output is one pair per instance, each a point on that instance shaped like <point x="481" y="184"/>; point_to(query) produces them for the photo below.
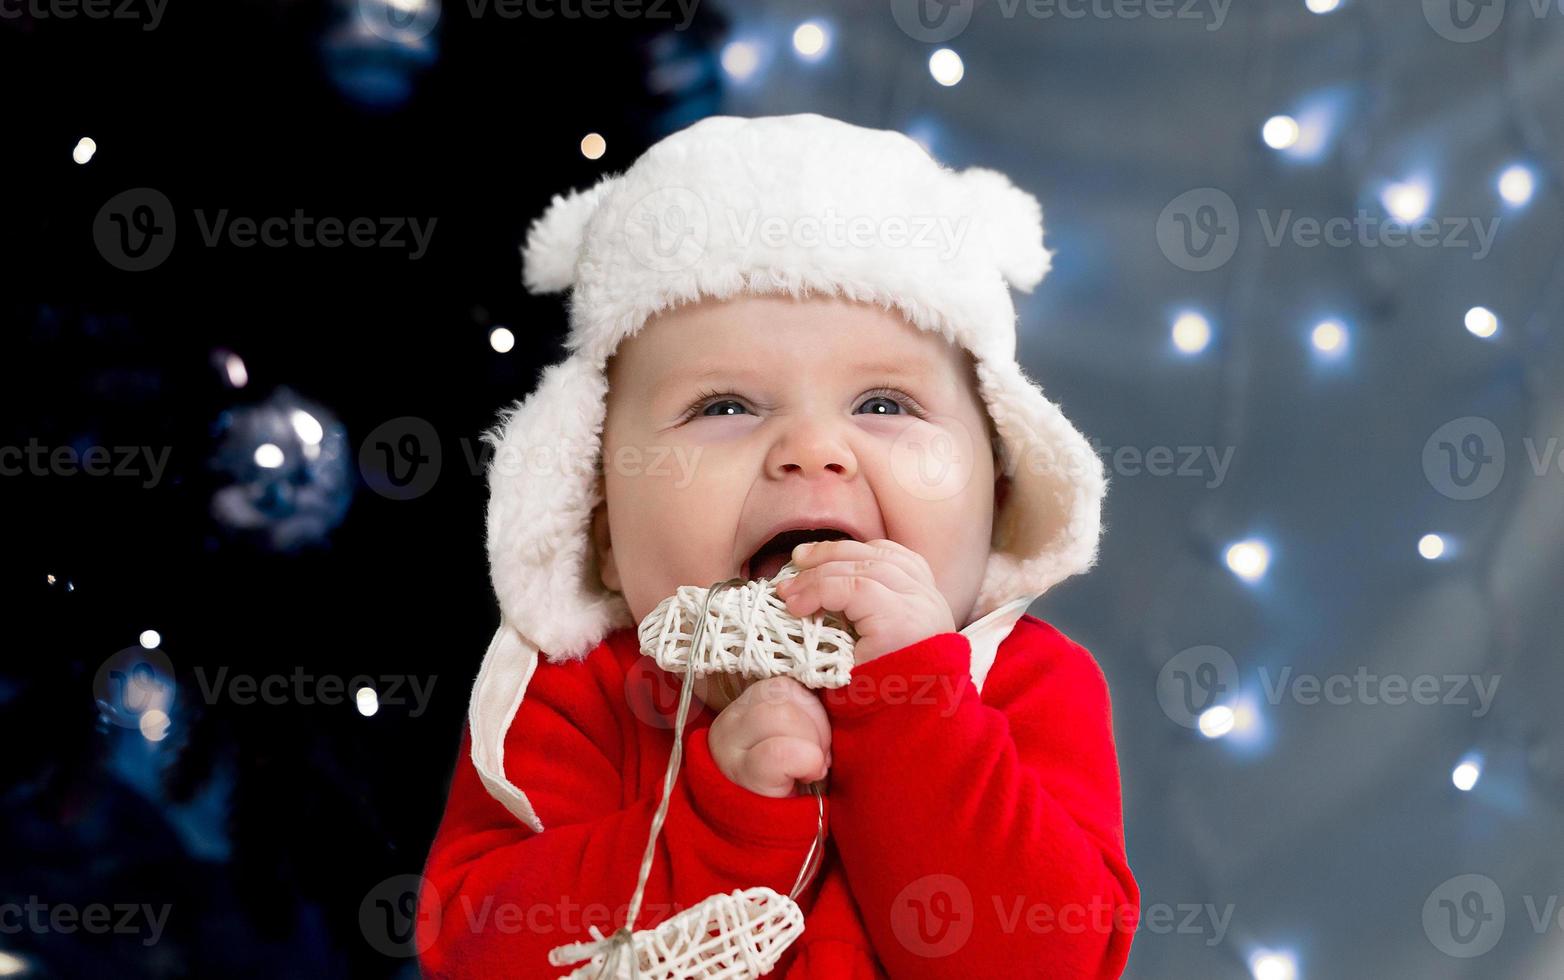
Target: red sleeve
<point x="983" y="836"/>
<point x="506" y="895"/>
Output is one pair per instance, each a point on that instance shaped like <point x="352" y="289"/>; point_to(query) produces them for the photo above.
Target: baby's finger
<point x="859" y="597"/>
<point x="893" y="576"/>
<point x="810" y="554"/>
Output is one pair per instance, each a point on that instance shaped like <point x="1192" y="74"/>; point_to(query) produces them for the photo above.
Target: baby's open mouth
<point x="769" y="559"/>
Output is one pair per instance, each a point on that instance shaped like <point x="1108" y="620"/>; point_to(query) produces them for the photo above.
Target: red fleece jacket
<point x="968" y="835"/>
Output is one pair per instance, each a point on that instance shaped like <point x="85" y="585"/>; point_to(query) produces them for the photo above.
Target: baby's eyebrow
<point x="912" y="369"/>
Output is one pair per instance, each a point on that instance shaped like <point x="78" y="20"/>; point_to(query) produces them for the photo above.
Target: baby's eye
<point x="720" y="403"/>
<point x="894" y="399"/>
<point x="892" y="406"/>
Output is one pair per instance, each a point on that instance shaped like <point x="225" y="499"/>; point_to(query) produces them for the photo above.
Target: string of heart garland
<point x="740" y="935"/>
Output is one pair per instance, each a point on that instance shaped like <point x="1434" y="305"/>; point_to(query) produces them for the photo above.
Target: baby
<point x="796" y="415"/>
<point x="849" y="403"/>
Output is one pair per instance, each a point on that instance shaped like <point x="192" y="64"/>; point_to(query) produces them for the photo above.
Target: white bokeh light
<point x="307" y="427"/>
<point x="153" y="724"/>
<point x="740" y="59"/>
<point x="1280" y="132"/>
<point x="1482" y="322"/>
<point x="1191" y="332"/>
<point x="233" y="366"/>
<point x="1408" y="200"/>
<point x="1217" y="721"/>
<point x="946" y="66"/>
<point x="84" y="149"/>
<point x="1271" y="965"/>
<point x="810" y="39"/>
<point x="502" y="340"/>
<point x="1329" y="337"/>
<point x="151" y="639"/>
<point x="1517" y="184"/>
<point x="1465" y="775"/>
<point x="1249" y="559"/>
<point x="268" y="456"/>
<point x="1431" y="546"/>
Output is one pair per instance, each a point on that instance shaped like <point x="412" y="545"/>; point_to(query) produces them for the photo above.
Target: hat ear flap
<point x="548" y="260"/>
<point x="1012" y="220"/>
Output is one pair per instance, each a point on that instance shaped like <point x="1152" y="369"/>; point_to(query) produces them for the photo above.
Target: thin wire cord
<point x="622" y="938"/>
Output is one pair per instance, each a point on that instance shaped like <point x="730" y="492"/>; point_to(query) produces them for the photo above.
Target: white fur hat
<point x="794" y="204"/>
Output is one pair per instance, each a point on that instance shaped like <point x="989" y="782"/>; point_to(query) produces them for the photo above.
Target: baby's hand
<point x="886" y="590"/>
<point x="773" y="735"/>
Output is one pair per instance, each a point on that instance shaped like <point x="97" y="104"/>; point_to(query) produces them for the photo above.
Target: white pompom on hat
<point x="800" y="205"/>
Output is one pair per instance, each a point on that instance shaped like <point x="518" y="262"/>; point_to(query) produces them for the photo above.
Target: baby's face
<point x="728" y="419"/>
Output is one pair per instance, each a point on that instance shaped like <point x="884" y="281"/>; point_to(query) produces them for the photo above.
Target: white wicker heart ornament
<point x="734" y="627"/>
<point x="741" y="934"/>
<point x="749" y="632"/>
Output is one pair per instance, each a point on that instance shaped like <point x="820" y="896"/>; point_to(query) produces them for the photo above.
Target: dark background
<point x="1324" y="831"/>
<point x="265" y="825"/>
